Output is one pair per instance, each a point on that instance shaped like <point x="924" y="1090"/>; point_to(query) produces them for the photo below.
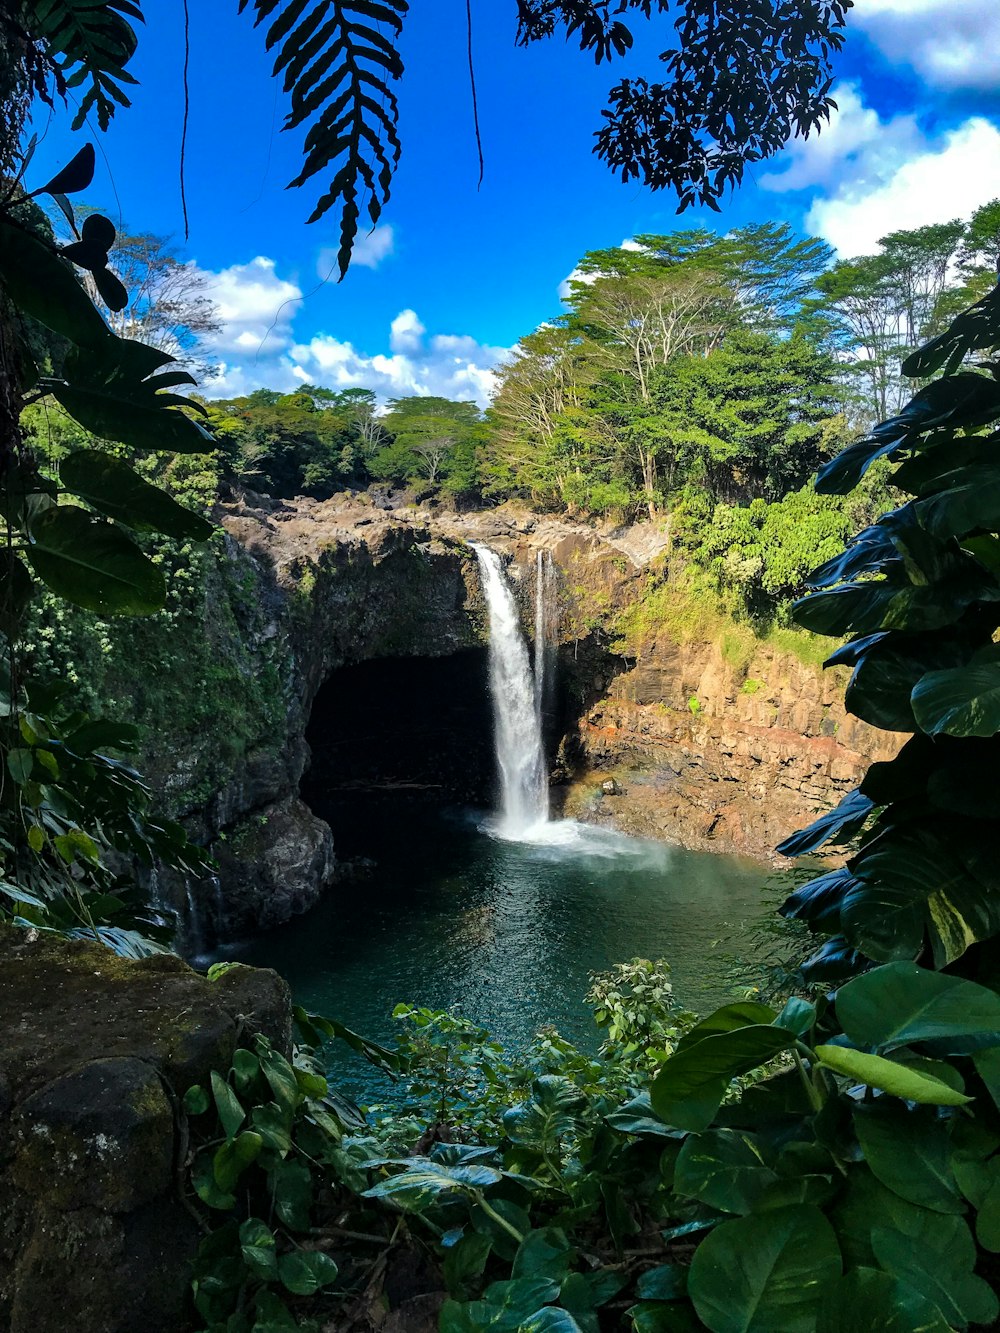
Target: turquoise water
<point x="505" y="932"/>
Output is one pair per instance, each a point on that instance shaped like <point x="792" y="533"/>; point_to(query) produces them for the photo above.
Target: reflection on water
<point x="505" y="931"/>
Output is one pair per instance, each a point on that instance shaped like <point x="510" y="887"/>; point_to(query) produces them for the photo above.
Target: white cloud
<point x="565" y="288"/>
<point x="855" y="143"/>
<point x="256" y="347"/>
<point x="255" y="307"/>
<point x="938" y="182"/>
<point x="406" y="332"/>
<point x="446" y="365"/>
<point x="369" y="251"/>
<point x="950" y="43"/>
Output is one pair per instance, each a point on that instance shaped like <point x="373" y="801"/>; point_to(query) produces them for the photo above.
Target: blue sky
<point x="454" y="275"/>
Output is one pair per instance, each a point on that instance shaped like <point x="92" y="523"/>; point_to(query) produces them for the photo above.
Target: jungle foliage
<point x="70" y="814"/>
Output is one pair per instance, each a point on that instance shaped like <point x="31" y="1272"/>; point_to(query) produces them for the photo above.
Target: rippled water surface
<point x="507" y="932"/>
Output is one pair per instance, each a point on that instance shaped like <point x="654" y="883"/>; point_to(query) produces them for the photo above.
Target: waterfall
<point x="516" y="711"/>
<point x="544" y="630"/>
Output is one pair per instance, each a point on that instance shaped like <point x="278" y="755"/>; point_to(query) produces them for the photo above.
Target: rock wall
<point x="96" y="1053"/>
<point x="703" y="752"/>
<point x="715" y="755"/>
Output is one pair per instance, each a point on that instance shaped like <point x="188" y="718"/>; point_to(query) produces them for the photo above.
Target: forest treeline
<point x="698" y="378"/>
<point x="694" y="375"/>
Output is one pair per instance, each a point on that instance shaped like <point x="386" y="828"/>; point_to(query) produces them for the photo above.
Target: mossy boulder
<point x="95" y="1053"/>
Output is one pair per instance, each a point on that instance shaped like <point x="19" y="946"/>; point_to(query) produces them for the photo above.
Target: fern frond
<point x="339" y="59"/>
<point x="89" y="45"/>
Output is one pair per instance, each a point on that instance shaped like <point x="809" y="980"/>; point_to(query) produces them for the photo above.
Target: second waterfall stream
<point x="517" y="703"/>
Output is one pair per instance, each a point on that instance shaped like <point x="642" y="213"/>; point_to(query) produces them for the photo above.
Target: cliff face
<point x="703" y="750"/>
<point x="718" y="755"/>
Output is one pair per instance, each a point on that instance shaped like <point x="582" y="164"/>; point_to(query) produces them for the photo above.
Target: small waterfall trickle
<point x="544" y="631"/>
<point x="516" y="709"/>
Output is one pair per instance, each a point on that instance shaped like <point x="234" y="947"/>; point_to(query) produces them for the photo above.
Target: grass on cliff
<point x="685" y="612"/>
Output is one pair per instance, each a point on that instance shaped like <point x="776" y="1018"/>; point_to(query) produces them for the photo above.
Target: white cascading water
<point x="544" y="628"/>
<point x="516" y="710"/>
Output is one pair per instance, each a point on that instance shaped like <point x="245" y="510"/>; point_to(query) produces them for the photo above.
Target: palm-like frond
<point x="339" y="61"/>
<point x="89" y="46"/>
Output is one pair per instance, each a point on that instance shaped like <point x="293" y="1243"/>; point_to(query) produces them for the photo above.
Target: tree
<point x="885" y="304"/>
<point x="432" y="439"/>
<point x="169" y="305"/>
<point x="302" y="443"/>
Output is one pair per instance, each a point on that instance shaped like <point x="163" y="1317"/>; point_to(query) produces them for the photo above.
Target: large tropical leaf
<point x="44" y="286"/>
<point x="900" y="1004"/>
<point x="688" y="1090"/>
<point x="962" y="701"/>
<point x="339" y="59"/>
<point x="116" y="490"/>
<point x="766" y="1272"/>
<point x="119" y="391"/>
<point x="90" y="44"/>
<point x="913" y="1085"/>
<point x="93" y="563"/>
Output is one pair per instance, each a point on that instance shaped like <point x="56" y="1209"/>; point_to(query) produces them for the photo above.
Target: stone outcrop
<point x="719" y="756"/>
<point x="703" y="752"/>
<point x="97" y="1051"/>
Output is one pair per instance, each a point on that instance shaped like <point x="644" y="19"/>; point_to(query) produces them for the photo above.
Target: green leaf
<point x="114" y="392"/>
<point x="870" y="1301"/>
<point x="552" y="1110"/>
<point x="910" y="1153"/>
<point x="259" y="1249"/>
<point x="281" y="1076"/>
<point x="292" y="1185"/>
<point x="16" y="590"/>
<point x="766" y="1272"/>
<point x="465" y="1261"/>
<point x="937" y="1261"/>
<point x="545" y="1253"/>
<point x="969" y="499"/>
<point x="20" y="764"/>
<point x="637" y="1117"/>
<point x="964" y="701"/>
<point x="75" y="176"/>
<point x="668" y="1282"/>
<point x="44" y="286"/>
<point x="745" y="1013"/>
<point x="304" y="1272"/>
<point x="659" y="1317"/>
<point x="92" y="563"/>
<point x="274" y="1124"/>
<point x="916" y="878"/>
<point x="109" y="485"/>
<point x="196" y="1100"/>
<point x="231" y="1113"/>
<point x="889" y="1076"/>
<point x="205" y="1184"/>
<point x="246" y="1067"/>
<point x="551" y="1319"/>
<point x="841" y="824"/>
<point x="233" y="1158"/>
<point x="689" y="1088"/>
<point x="272" y="1314"/>
<point x="725" y="1169"/>
<point x="901" y="1003"/>
<point x="426" y="1180"/>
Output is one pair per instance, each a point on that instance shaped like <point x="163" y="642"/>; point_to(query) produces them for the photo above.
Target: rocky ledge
<point x="97" y="1051"/>
<point x="701" y="751"/>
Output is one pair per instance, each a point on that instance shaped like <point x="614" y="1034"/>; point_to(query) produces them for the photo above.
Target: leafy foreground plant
<point x="70" y="815"/>
<point x="852" y="1184"/>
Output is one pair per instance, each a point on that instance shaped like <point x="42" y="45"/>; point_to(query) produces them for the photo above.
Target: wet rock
<point x="96" y="1052"/>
